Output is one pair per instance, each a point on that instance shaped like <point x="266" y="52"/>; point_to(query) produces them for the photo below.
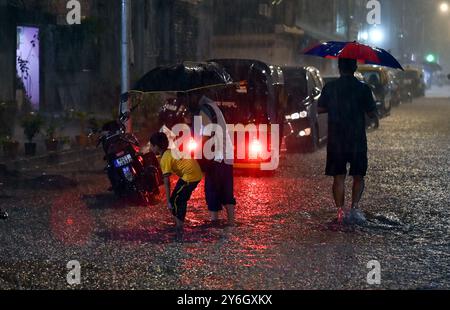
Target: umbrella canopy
<point x="183" y="77"/>
<point x="362" y="53"/>
<point x="432" y="66"/>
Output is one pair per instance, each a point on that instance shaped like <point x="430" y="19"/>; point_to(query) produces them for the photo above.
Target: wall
<point x="7" y="54"/>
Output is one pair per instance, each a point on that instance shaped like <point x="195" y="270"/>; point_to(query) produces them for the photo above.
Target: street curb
<point x="53" y="160"/>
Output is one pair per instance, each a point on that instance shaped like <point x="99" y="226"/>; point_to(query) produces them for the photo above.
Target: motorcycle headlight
<point x="303" y="114"/>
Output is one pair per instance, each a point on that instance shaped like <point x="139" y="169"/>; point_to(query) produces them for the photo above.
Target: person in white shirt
<point x="219" y="179"/>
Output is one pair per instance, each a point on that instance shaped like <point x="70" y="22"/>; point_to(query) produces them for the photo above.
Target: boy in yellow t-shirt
<point x="188" y="170"/>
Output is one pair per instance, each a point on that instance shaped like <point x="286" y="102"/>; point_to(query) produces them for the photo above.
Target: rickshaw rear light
<point x="255" y="149"/>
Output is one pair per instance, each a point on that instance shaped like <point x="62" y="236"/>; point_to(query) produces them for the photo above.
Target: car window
<point x="371" y="77"/>
<point x="297" y="84"/>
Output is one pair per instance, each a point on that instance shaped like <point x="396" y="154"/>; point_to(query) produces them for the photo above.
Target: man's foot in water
<point x="342" y="215"/>
<point x="355" y="217"/>
<point x="230" y="209"/>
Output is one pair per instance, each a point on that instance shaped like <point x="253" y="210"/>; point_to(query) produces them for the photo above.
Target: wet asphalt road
<point x="285" y="238"/>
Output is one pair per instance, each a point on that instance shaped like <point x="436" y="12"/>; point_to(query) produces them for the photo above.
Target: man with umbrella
<point x="346" y="101"/>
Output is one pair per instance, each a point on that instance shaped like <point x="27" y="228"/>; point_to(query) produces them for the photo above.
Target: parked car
<point x="306" y="129"/>
<point x="405" y="87"/>
<point x="385" y="88"/>
<point x="413" y="81"/>
<point x="246" y="91"/>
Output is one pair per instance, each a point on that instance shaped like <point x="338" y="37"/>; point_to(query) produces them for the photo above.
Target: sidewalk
<point x="55" y="161"/>
<point x="69" y="155"/>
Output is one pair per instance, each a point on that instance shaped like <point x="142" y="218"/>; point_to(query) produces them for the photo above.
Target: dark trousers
<point x="219" y="186"/>
<point x="180" y="197"/>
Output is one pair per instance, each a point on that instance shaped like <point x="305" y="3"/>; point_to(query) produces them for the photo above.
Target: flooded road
<point x="286" y="237"/>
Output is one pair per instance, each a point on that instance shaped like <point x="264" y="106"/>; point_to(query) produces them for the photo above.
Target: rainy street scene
<point x="224" y="145"/>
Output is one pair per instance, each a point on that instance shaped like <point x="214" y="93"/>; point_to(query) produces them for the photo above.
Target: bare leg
<point x="339" y="191"/>
<point x="214" y="216"/>
<point x="179" y="224"/>
<point x="358" y="190"/>
<point x="230" y="214"/>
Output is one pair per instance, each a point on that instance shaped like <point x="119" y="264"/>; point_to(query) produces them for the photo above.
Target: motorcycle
<point x="132" y="174"/>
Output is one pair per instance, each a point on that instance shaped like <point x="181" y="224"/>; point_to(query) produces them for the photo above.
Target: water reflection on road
<point x="285" y="237"/>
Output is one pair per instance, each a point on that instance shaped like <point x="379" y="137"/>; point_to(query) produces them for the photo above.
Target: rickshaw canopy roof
<point x="241" y="69"/>
<point x="188" y="76"/>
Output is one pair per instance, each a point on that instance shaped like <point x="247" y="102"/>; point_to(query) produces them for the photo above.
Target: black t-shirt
<point x="347" y="101"/>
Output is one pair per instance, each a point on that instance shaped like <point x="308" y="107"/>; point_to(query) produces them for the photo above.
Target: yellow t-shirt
<point x="187" y="169"/>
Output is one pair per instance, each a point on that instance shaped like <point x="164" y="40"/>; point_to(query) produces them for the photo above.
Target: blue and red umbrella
<point x="362" y="53"/>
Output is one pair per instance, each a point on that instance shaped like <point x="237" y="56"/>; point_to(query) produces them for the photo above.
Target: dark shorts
<point x="219" y="186"/>
<point x="337" y="163"/>
<point x="180" y="197"/>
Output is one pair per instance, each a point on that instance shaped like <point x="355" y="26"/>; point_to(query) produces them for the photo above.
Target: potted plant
<point x="8" y="112"/>
<point x="82" y="139"/>
<point x="31" y="125"/>
<point x="95" y="127"/>
<point x="10" y="147"/>
<point x="51" y="142"/>
<point x="64" y="143"/>
<point x="64" y="119"/>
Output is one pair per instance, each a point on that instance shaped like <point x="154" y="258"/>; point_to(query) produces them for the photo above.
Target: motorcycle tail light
<point x="192" y="145"/>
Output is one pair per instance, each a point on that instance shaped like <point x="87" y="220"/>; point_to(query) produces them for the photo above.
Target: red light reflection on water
<point x="70" y="220"/>
<point x="254" y="243"/>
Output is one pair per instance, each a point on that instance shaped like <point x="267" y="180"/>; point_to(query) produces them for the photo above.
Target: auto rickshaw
<point x="173" y="92"/>
<point x="412" y="81"/>
<point x="385" y="89"/>
<point x="261" y="100"/>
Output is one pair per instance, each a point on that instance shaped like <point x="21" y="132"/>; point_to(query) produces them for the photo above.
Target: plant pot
<point x="93" y="140"/>
<point x="11" y="149"/>
<point x="52" y="145"/>
<point x="30" y="149"/>
<point x="65" y="144"/>
<point x="82" y="140"/>
<point x="66" y="147"/>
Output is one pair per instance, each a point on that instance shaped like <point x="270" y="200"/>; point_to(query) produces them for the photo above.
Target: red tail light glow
<point x="255" y="149"/>
<point x="192" y="146"/>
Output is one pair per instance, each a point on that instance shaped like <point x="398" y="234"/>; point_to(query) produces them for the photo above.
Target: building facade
<point x="78" y="66"/>
<point x="278" y="31"/>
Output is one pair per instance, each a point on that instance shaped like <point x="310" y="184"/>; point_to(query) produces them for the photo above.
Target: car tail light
<point x="255" y="149"/>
